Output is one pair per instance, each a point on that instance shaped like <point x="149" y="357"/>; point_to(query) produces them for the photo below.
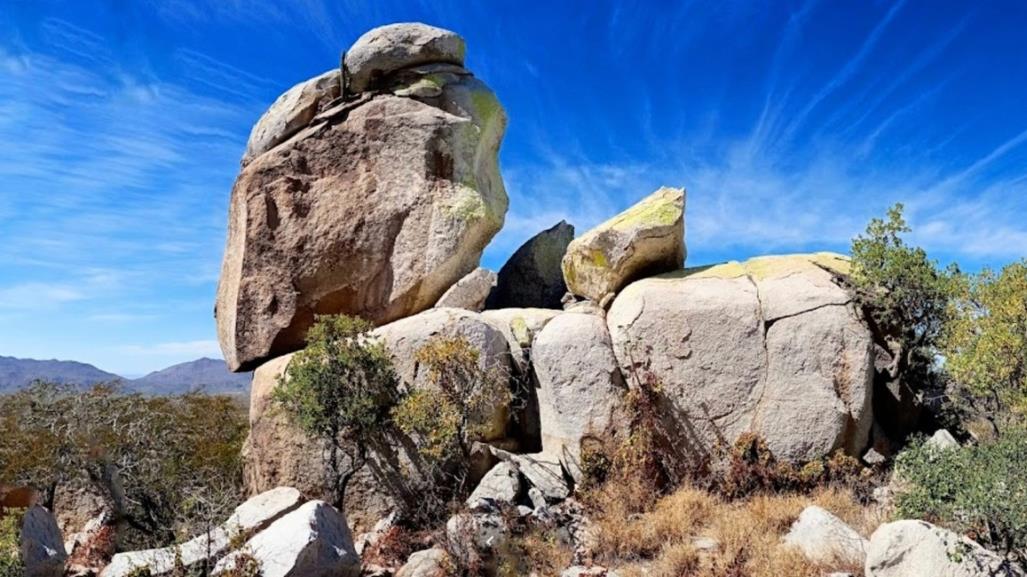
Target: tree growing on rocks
<point x="340" y="390"/>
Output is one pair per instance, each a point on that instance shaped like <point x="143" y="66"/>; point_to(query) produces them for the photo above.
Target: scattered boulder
<point x="475" y="537"/>
<point x="375" y="209"/>
<point x="826" y="539"/>
<point x="909" y="547"/>
<point x="942" y="440"/>
<point x="252" y="516"/>
<point x="580" y="571"/>
<point x="646" y="239"/>
<point x="532" y="277"/>
<point x="580" y="388"/>
<point x="501" y="485"/>
<point x="312" y="541"/>
<point x="292" y="112"/>
<point x="387" y="49"/>
<point x="543" y="472"/>
<point x="772" y="346"/>
<point x="427" y="563"/>
<point x="42" y="546"/>
<point x="469" y="292"/>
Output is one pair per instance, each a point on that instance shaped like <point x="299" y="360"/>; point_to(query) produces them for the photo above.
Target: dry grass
<point x="659" y="542"/>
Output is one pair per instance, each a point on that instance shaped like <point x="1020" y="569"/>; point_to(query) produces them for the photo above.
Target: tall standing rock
<point x="532" y="278"/>
<point x="646" y="239"/>
<point x="771" y="346"/>
<point x="374" y="209"/>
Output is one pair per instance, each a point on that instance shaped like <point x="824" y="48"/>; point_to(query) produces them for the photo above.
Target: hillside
<point x="209" y="375"/>
<point x="17" y="373"/>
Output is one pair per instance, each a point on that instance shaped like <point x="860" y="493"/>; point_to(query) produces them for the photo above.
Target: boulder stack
<point x="373" y="206"/>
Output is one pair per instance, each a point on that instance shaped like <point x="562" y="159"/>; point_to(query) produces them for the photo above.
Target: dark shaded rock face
<point x="532" y="278"/>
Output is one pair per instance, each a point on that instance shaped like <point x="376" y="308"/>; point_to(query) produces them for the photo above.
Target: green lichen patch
<point x="665" y="207"/>
<point x="467" y="205"/>
<point x="520" y="330"/>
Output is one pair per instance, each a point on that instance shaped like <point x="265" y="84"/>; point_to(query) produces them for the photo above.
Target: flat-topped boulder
<point x="772" y="346"/>
<point x="646" y="239"/>
<point x="375" y="208"/>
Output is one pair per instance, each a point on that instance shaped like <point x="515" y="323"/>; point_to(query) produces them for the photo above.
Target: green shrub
<point x="10" y="554"/>
<point x="340" y="390"/>
<point x="979" y="490"/>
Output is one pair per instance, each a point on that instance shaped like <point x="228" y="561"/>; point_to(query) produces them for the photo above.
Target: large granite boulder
<point x="312" y="541"/>
<point x="519" y="326"/>
<point x="292" y="112"/>
<point x="646" y="239"/>
<point x="581" y="393"/>
<point x="532" y="277"/>
<point x="374" y="209"/>
<point x="387" y="49"/>
<point x="276" y="452"/>
<point x="912" y="548"/>
<point x="772" y="346"/>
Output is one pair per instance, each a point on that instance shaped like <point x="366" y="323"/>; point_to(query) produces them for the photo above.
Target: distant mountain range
<point x="208" y="375"/>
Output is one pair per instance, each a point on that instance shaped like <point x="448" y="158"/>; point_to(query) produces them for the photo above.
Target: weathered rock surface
<point x="646" y="239"/>
<point x="771" y="346"/>
<point x="252" y="516"/>
<point x="912" y="548"/>
<point x="580" y="387"/>
<point x="375" y="209"/>
<point x="469" y="292"/>
<point x="532" y="277"/>
<point x="292" y="112"/>
<point x="826" y="539"/>
<point x="501" y="485"/>
<point x="387" y="49"/>
<point x="475" y="537"/>
<point x="519" y="327"/>
<point x="312" y="541"/>
<point x="427" y="563"/>
<point x="42" y="546"/>
<point x="942" y="440"/>
<point x="543" y="472"/>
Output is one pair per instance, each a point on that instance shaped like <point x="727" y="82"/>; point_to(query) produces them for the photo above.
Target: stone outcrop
<point x="772" y="346"/>
<point x="312" y="541"/>
<point x="387" y="49"/>
<point x="826" y="539"/>
<point x="42" y="546"/>
<point x="374" y="208"/>
<point x="501" y="485"/>
<point x="580" y="387"/>
<point x="532" y="277"/>
<point x="907" y="548"/>
<point x="646" y="239"/>
<point x="292" y="112"/>
<point x="519" y="327"/>
<point x="427" y="563"/>
<point x="469" y="292"/>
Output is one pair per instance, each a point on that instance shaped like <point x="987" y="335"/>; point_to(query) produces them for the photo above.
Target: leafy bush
<point x="905" y="293"/>
<point x="985" y="344"/>
<point x="340" y="390"/>
<point x="166" y="466"/>
<point x="10" y="553"/>
<point x="458" y="405"/>
<point x="979" y="490"/>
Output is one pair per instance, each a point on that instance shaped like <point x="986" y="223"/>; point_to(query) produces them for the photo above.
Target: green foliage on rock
<point x="458" y="405"/>
<point x="165" y="466"/>
<point x="904" y="291"/>
<point x="985" y="343"/>
<point x="340" y="390"/>
<point x="978" y="490"/>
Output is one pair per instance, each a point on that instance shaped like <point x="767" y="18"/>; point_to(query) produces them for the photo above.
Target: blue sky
<point x="790" y="124"/>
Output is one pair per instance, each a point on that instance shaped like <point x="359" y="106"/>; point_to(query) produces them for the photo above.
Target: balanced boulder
<point x="532" y="277"/>
<point x="469" y="292"/>
<point x="646" y="239"/>
<point x="374" y="209"/>
<point x="773" y="346"/>
<point x="292" y="112"/>
<point x="387" y="49"/>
